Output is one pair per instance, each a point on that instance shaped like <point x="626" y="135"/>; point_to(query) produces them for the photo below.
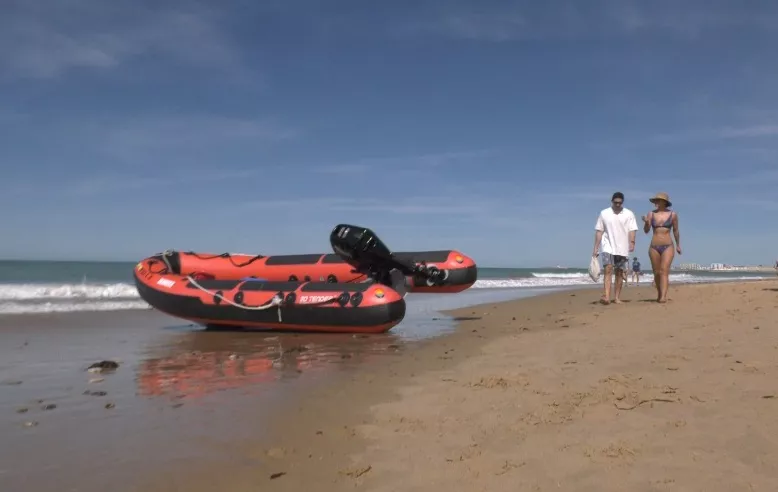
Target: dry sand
<point x="554" y="393"/>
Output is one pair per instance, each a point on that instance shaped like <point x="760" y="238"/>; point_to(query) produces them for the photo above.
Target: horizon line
<point x="54" y="260"/>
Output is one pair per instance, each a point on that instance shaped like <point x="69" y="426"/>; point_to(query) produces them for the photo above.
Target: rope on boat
<point x="275" y="301"/>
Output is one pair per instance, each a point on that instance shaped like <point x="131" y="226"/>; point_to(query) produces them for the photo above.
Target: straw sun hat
<point x="661" y="196"/>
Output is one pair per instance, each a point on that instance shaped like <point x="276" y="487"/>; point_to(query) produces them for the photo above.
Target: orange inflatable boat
<point x="439" y="272"/>
<point x="359" y="288"/>
<point x="295" y="306"/>
<point x="462" y="271"/>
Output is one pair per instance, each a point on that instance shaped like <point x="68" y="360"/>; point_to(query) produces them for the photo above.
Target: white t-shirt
<point x="616" y="229"/>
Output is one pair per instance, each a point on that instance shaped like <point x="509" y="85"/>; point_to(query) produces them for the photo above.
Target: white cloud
<point x="404" y="206"/>
<point x="405" y="163"/>
<point x="741" y="180"/>
<point x="355" y="168"/>
<point x="109" y="183"/>
<point x="767" y="205"/>
<point x="154" y="139"/>
<point x="112" y="182"/>
<point x="750" y="131"/>
<point x="43" y="39"/>
<point x="526" y="19"/>
<point x="408" y="207"/>
<point x="155" y="132"/>
<point x="689" y="17"/>
<point x="720" y="134"/>
<point x="489" y="26"/>
<point x="723" y="133"/>
<point x="317" y="204"/>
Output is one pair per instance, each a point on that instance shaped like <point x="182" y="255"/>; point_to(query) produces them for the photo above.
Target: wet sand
<point x="551" y="393"/>
<point x="181" y="397"/>
<point x="181" y="400"/>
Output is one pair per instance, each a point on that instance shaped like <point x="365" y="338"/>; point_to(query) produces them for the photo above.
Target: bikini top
<point x="667" y="223"/>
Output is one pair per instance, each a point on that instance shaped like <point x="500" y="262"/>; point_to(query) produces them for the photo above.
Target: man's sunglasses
<point x="618" y="202"/>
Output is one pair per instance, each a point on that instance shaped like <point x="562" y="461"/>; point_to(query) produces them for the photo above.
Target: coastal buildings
<point x="719" y="267"/>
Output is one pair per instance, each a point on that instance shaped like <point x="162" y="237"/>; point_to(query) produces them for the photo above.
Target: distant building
<point x="691" y="266"/>
<point x="715" y="267"/>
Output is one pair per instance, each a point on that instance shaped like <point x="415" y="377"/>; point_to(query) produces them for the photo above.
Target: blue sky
<point x="496" y="128"/>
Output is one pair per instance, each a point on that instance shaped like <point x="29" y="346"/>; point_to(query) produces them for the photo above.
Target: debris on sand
<point x="103" y="366"/>
<point x="356" y="472"/>
<point x="95" y="393"/>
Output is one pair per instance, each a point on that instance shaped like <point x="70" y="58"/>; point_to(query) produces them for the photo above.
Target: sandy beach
<point x="554" y="393"/>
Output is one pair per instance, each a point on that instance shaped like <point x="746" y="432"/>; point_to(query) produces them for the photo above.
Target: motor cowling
<point x="360" y="246"/>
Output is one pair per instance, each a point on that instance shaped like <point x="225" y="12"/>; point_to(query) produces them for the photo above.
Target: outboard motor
<point x="361" y="247"/>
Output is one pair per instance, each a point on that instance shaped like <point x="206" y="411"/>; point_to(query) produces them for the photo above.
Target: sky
<point x="496" y="128"/>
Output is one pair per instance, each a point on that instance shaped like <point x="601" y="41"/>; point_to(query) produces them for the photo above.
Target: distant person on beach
<point x="615" y="235"/>
<point x="661" y="252"/>
<point x="635" y="270"/>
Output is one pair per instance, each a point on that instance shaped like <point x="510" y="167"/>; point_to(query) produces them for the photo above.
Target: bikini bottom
<point x="660" y="248"/>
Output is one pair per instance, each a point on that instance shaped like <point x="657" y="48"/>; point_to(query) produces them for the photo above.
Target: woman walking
<point x="662" y="220"/>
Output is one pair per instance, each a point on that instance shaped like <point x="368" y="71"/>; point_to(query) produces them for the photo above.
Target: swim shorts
<point x="618" y="262"/>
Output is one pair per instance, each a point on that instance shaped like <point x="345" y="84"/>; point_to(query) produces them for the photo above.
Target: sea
<point x="28" y="287"/>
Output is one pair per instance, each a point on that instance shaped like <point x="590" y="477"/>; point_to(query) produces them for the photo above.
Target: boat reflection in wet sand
<point x="206" y="362"/>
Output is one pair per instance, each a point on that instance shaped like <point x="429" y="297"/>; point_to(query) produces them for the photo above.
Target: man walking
<point x="615" y="235"/>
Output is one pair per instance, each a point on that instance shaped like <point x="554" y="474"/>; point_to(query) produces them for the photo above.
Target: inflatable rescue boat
<point x="461" y="271"/>
<point x="296" y="306"/>
<point x="360" y="288"/>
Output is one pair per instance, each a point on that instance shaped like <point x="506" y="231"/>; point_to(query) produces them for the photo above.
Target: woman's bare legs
<point x="664" y="271"/>
<point x="656" y="261"/>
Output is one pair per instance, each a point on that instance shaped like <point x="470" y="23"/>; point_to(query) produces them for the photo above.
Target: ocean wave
<point x="61" y="298"/>
<point x="38" y="292"/>
<point x="560" y="275"/>
<point x="56" y="307"/>
<point x="575" y="279"/>
<point x="31" y="298"/>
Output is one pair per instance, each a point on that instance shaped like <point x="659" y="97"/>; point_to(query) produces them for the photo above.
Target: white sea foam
<point x="56" y="307"/>
<point x="542" y="280"/>
<point x="61" y="298"/>
<point x="40" y="292"/>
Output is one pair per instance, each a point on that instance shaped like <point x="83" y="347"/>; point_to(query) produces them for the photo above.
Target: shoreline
<point x="396" y="422"/>
<point x="535" y="290"/>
